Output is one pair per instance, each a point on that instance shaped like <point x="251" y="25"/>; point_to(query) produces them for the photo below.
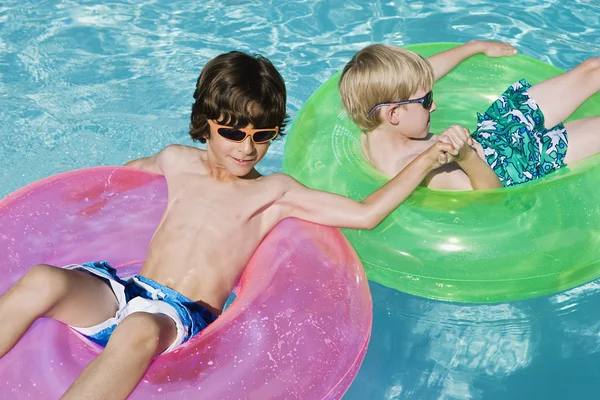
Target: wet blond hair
<point x="381" y="74"/>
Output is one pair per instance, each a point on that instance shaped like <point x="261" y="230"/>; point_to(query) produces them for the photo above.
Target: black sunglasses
<point x="426" y="101"/>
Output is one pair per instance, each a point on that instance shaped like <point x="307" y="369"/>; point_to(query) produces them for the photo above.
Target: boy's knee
<point x="38" y="278"/>
<point x="591" y="64"/>
<point x="139" y="332"/>
<point x="39" y="289"/>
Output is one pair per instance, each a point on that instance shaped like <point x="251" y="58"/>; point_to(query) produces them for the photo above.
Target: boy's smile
<point x="238" y="158"/>
<point x="243" y="162"/>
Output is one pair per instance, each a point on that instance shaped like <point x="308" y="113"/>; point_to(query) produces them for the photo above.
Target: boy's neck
<point x="381" y="142"/>
<point x="254" y="174"/>
<point x="221" y="174"/>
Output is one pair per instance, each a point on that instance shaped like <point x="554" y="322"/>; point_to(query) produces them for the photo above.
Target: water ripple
<point x="67" y="62"/>
<point x="97" y="83"/>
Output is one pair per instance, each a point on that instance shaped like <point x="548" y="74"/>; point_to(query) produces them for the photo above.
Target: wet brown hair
<point x="237" y="89"/>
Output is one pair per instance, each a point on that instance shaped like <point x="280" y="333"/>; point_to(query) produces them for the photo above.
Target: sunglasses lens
<point x="264" y="136"/>
<point x="428" y="100"/>
<point x="232" y="134"/>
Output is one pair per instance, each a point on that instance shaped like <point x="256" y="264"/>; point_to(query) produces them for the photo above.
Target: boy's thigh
<point x="73" y="297"/>
<point x="584" y="139"/>
<point x="145" y="332"/>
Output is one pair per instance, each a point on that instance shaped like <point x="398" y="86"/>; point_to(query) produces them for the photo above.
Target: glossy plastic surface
<point x="298" y="329"/>
<point x="526" y="241"/>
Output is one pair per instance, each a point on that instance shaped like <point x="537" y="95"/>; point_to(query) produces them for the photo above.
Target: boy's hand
<point x="495" y="49"/>
<point x="460" y="139"/>
<point x="440" y="153"/>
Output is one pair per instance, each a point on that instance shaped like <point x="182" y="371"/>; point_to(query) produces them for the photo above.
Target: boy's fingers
<point x="443" y="158"/>
<point x="448" y="148"/>
<point x="510" y="48"/>
<point x="458" y="130"/>
<point x="445" y="146"/>
<point x="458" y="142"/>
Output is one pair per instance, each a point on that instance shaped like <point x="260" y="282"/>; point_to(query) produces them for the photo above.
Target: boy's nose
<point x="433" y="106"/>
<point x="248" y="146"/>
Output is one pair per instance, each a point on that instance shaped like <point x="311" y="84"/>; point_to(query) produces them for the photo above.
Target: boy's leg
<point x="117" y="370"/>
<point x="584" y="139"/>
<point x="72" y="297"/>
<point x="560" y="96"/>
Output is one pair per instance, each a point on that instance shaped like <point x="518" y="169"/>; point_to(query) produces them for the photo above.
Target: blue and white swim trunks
<point x="140" y="294"/>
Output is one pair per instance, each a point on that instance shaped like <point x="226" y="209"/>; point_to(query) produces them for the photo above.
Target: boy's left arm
<point x="481" y="176"/>
<point x="445" y="61"/>
<point x="479" y="172"/>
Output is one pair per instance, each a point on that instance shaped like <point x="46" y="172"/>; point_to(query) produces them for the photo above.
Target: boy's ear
<point x="206" y="135"/>
<point x="392" y="115"/>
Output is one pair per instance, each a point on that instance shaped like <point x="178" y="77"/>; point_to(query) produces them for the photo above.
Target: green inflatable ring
<point x="487" y="246"/>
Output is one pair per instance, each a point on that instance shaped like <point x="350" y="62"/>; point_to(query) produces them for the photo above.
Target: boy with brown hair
<point x="387" y="91"/>
<point x="215" y="198"/>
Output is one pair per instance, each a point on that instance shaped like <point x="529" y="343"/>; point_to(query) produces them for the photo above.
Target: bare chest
<point x="225" y="210"/>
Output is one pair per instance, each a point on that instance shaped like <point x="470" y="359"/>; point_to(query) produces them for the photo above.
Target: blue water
<point x="95" y="83"/>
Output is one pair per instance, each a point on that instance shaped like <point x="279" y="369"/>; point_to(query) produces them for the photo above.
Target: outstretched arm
<point x="445" y="61"/>
<point x="339" y="211"/>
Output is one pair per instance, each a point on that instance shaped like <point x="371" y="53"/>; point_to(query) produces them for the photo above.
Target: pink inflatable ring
<point x="298" y="329"/>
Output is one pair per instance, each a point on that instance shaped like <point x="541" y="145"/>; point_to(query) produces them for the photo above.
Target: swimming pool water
<point x="98" y="83"/>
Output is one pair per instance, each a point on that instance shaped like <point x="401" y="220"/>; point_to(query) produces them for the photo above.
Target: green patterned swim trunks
<point x="515" y="141"/>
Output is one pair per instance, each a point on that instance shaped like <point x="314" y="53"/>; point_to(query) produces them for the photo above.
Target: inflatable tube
<point x="298" y="328"/>
<point x="506" y="244"/>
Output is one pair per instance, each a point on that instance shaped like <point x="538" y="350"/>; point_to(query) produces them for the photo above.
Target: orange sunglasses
<point x="258" y="136"/>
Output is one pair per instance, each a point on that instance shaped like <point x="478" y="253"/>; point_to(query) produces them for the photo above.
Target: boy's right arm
<point x="334" y="210"/>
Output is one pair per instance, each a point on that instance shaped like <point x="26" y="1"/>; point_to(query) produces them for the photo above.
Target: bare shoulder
<point x="175" y="151"/>
<point x="396" y="161"/>
<point x="279" y="187"/>
<point x="177" y="157"/>
<point x="402" y="162"/>
<point x="281" y="182"/>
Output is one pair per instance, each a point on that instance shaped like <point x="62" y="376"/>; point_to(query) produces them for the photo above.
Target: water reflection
<point x="543" y="348"/>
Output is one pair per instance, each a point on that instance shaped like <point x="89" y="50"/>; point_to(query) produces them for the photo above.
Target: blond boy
<point x="387" y="91"/>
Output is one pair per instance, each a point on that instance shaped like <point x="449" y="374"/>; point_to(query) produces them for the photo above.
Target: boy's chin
<point x="421" y="136"/>
<point x="244" y="174"/>
<point x="240" y="170"/>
